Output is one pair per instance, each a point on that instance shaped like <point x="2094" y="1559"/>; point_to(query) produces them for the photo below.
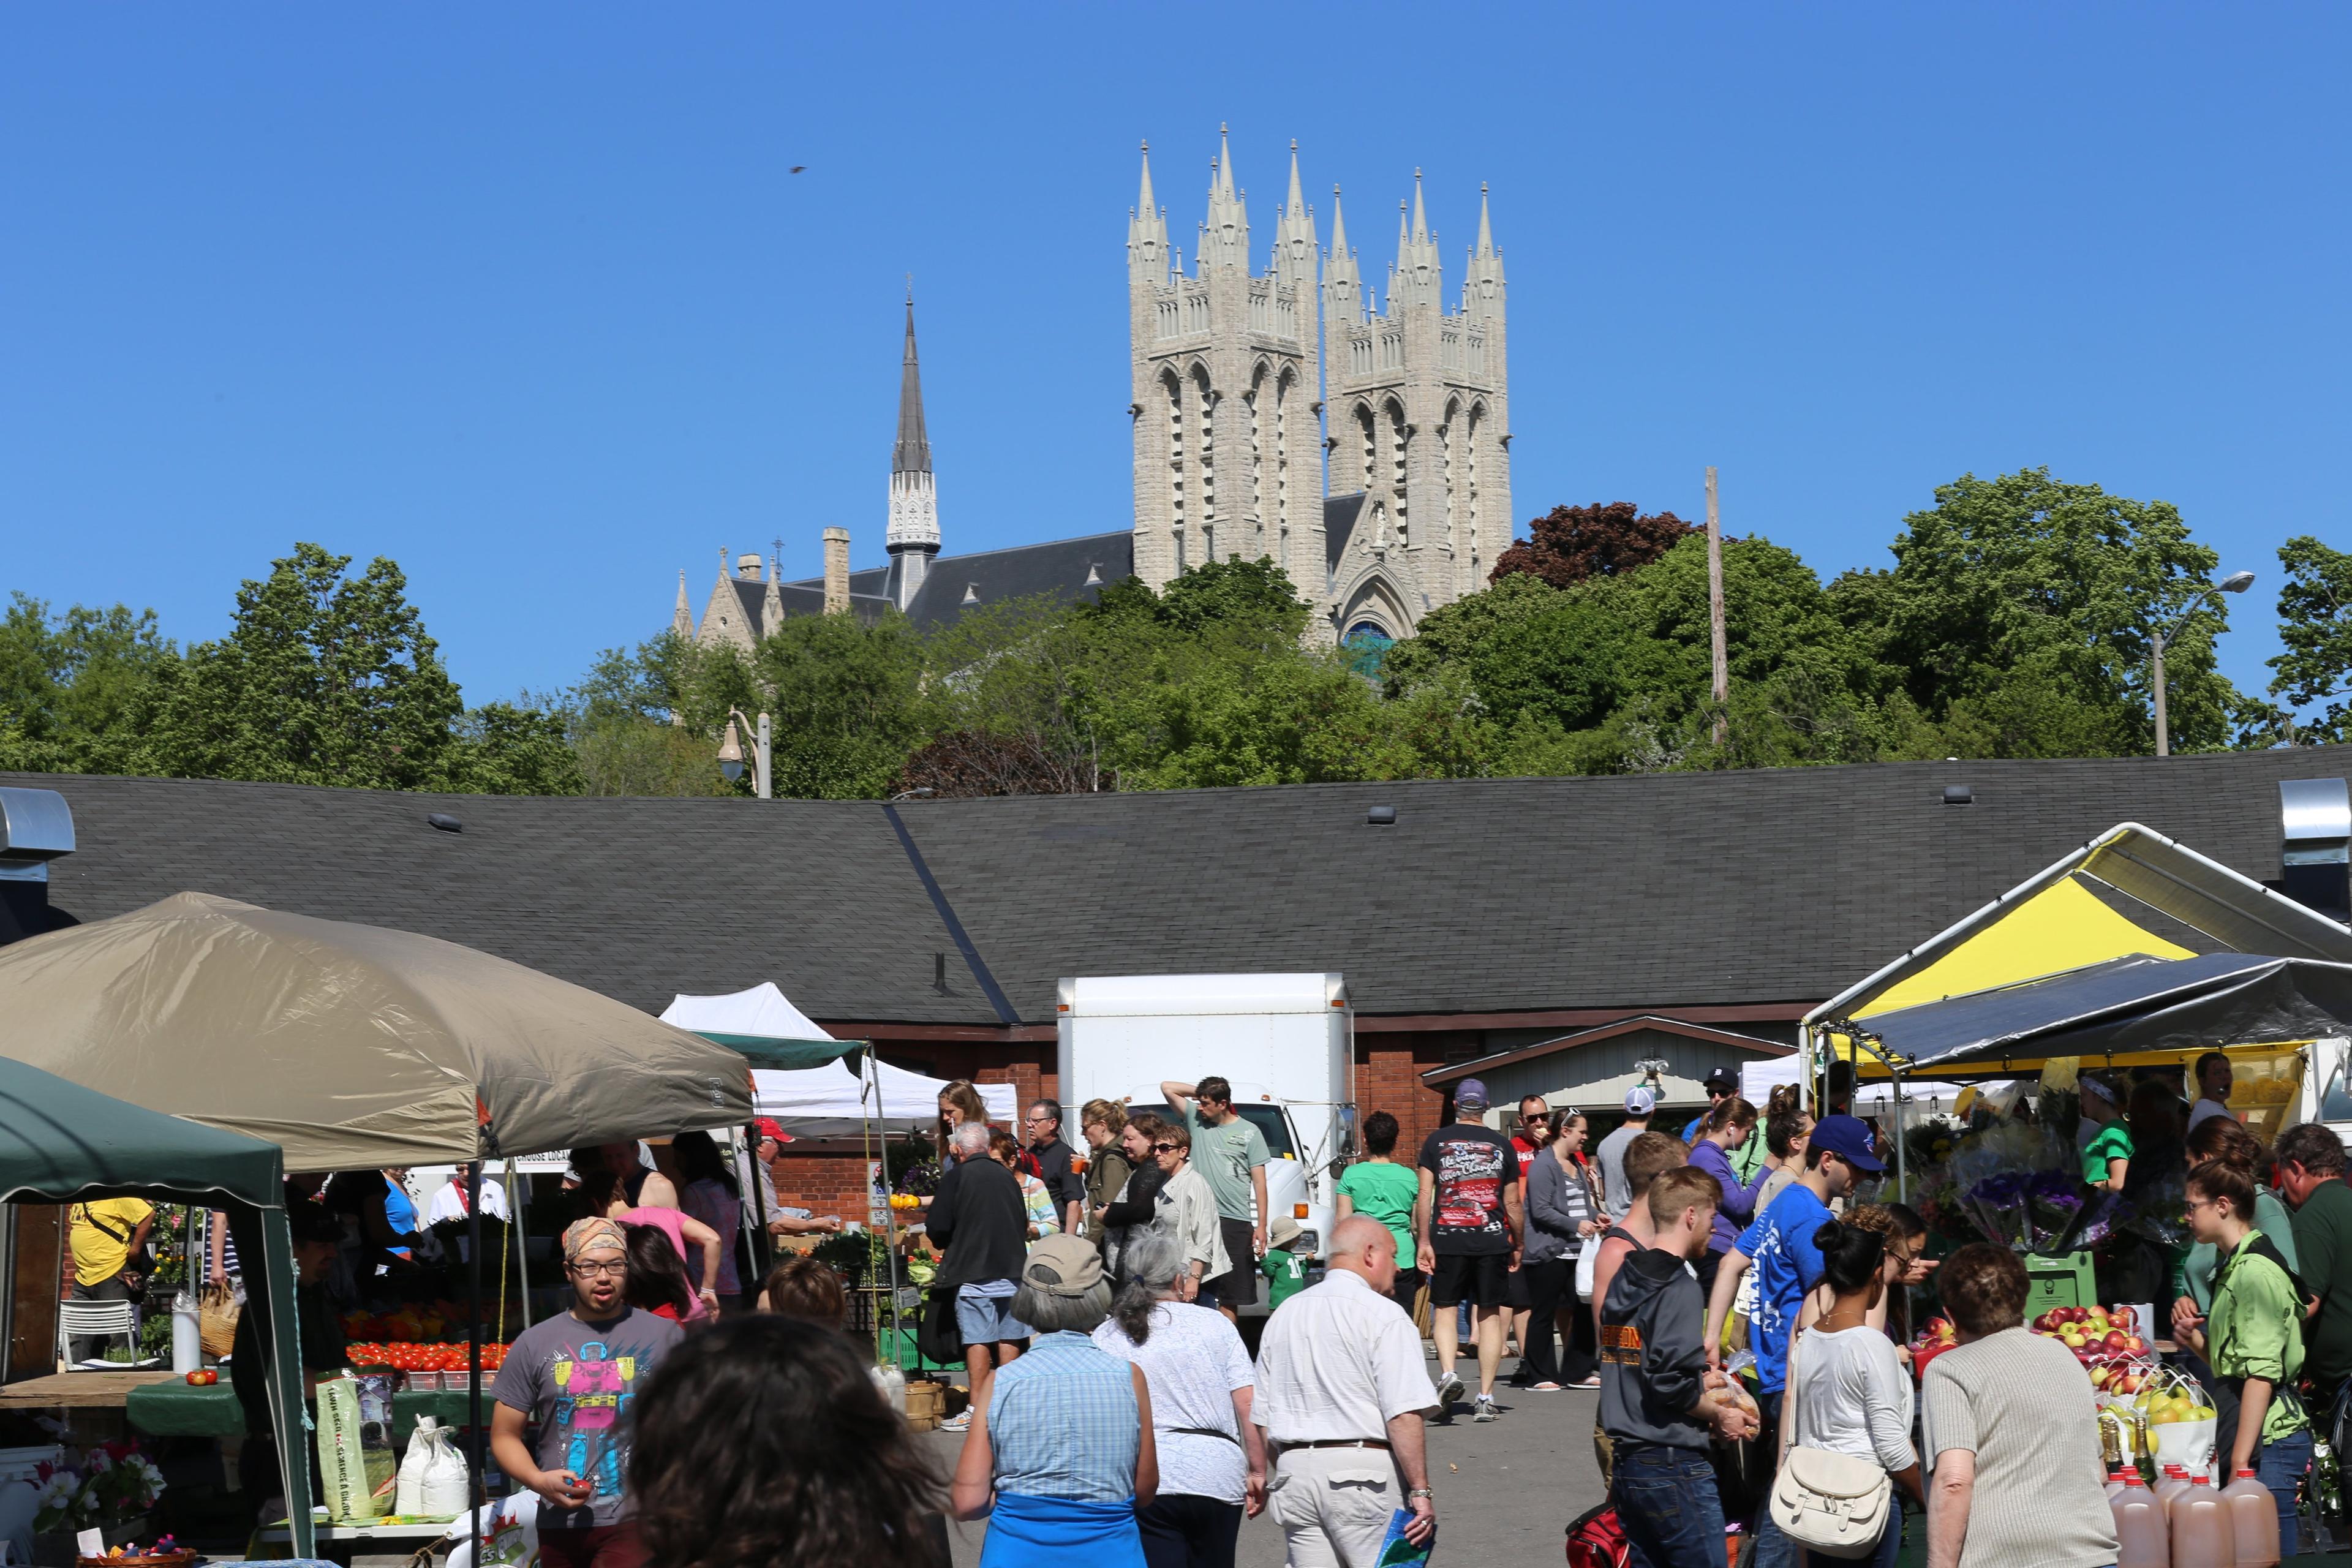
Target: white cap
<point x="1640" y="1102"/>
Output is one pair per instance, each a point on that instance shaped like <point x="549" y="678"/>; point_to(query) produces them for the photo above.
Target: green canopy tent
<point x="62" y="1143"/>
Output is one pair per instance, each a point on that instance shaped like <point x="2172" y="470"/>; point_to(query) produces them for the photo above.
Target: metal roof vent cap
<point x="444" y="821"/>
<point x="1380" y="816"/>
<point x="1959" y="795"/>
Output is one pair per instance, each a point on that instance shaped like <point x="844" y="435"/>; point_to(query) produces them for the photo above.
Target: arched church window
<point x="1366" y="648"/>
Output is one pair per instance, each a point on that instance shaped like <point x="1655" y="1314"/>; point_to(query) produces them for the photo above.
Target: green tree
<point x="2021" y="609"/>
<point x="2314" y="609"/>
<point x="73" y="686"/>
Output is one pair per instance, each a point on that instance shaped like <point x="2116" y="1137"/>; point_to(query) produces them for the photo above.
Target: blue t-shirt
<point x="399" y="1212"/>
<point x="1787" y="1265"/>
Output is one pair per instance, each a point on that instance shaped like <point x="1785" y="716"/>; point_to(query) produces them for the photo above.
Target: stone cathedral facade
<point x="1384" y="494"/>
<point x="1359" y="437"/>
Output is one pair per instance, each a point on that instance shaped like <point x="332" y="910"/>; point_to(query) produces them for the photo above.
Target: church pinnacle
<point x="912" y="537"/>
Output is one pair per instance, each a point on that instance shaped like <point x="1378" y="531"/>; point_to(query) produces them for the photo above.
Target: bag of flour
<point x="446" y="1483"/>
<point x="344" y="1455"/>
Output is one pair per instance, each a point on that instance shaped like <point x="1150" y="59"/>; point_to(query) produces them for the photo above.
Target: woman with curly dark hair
<point x="656" y="1280"/>
<point x="764" y="1441"/>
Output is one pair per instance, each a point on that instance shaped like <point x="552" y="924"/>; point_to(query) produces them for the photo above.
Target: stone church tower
<point x="1232" y="370"/>
<point x="912" y="535"/>
<point x="1225" y="369"/>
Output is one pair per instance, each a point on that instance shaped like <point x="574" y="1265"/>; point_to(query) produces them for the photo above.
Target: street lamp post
<point x="2235" y="582"/>
<point x="730" y="755"/>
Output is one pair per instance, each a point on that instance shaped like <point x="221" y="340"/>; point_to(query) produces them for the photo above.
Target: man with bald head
<point x="1341" y="1395"/>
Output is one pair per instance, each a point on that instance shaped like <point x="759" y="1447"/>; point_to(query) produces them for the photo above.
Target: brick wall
<point x="826" y="1182"/>
<point x="1388" y="1078"/>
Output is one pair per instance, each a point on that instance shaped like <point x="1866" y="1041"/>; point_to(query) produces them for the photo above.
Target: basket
<point x="927" y="1404"/>
<point x="180" y="1559"/>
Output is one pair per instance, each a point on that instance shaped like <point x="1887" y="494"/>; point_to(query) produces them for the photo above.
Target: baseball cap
<point x="768" y="1127"/>
<point x="1723" y="1080"/>
<point x="1848" y="1138"/>
<point x="1640" y="1102"/>
<point x="1471" y="1095"/>
<point x="1063" y="1265"/>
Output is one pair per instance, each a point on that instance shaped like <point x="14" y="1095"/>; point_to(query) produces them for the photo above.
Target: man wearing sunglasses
<point x="572" y="1376"/>
<point x="1041" y="1130"/>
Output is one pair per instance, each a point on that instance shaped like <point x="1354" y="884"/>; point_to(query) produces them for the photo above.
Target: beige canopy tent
<point x="350" y="1045"/>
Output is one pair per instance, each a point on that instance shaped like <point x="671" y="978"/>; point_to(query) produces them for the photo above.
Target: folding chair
<point x="94" y="1320"/>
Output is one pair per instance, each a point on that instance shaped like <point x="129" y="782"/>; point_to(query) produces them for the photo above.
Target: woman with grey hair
<point x="1211" y="1457"/>
<point x="1062" y="1458"/>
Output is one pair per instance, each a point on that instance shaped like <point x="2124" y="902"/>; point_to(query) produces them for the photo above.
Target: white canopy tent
<point x="761" y="1012"/>
<point x="831" y="1101"/>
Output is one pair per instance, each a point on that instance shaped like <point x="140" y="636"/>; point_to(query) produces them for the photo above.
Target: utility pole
<point x="2163" y="728"/>
<point x="1714" y="612"/>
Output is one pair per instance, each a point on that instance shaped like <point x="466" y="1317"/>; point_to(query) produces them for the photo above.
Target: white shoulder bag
<point x="1831" y="1503"/>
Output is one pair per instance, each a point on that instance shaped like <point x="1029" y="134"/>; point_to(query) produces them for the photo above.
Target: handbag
<point x="1831" y="1503"/>
<point x="216" y="1325"/>
<point x="1597" y="1539"/>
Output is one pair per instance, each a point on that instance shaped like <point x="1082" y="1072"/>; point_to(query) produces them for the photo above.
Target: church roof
<point x="1340" y="515"/>
<point x="1063" y="568"/>
<point x="1735" y="890"/>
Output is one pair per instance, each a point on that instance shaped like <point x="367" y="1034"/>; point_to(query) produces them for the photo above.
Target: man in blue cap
<point x="1467" y="1221"/>
<point x="1779" y="1246"/>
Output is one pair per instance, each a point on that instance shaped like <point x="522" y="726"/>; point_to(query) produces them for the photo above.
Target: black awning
<point x="2125" y="1005"/>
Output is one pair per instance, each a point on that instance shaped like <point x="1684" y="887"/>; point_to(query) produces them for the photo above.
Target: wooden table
<point x="78" y="1390"/>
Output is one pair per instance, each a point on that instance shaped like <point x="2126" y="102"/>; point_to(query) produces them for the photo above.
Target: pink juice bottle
<point x="2201" y="1533"/>
<point x="2174" y="1482"/>
<point x="2115" y="1482"/>
<point x="2254" y="1521"/>
<point x="2140" y="1533"/>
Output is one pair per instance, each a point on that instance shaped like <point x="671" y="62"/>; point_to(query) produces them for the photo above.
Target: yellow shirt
<point x="97" y="1256"/>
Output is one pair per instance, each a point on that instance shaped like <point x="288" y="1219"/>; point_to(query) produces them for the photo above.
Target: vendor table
<point x="173" y="1409"/>
<point x="282" y="1531"/>
<point x="78" y="1390"/>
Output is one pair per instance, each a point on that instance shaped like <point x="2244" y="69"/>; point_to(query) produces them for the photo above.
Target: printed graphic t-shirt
<point x="574" y="1381"/>
<point x="1786" y="1265"/>
<point x="1468" y="1166"/>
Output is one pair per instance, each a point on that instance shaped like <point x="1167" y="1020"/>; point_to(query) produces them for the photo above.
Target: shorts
<point x="1481" y="1279"/>
<point x="1515" y="1292"/>
<point x="1237" y="1287"/>
<point x="987" y="1321"/>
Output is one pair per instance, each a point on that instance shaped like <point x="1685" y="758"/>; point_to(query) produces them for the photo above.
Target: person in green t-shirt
<point x="1378" y="1188"/>
<point x="2252" y="1339"/>
<point x="1285" y="1270"/>
<point x="2109" y="1151"/>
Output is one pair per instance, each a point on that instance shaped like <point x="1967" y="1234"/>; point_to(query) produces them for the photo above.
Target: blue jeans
<point x="2279" y="1466"/>
<point x="1666" y="1501"/>
<point x="1890" y="1545"/>
<point x="1772" y="1549"/>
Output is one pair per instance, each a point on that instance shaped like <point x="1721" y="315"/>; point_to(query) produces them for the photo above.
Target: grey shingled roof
<point x="1638" y="894"/>
<point x="1064" y="568"/>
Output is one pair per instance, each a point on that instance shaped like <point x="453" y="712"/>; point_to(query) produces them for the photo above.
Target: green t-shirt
<point x="1226" y="1156"/>
<point x="1386" y="1192"/>
<point x="2323" y="1247"/>
<point x="2112" y="1142"/>
<point x="2253" y="1332"/>
<point x="1287" y="1273"/>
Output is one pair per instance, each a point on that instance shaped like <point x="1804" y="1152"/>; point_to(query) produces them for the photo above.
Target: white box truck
<point x="1286" y="1042"/>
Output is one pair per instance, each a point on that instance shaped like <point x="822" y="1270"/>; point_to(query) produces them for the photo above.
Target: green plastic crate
<point x="2061" y="1280"/>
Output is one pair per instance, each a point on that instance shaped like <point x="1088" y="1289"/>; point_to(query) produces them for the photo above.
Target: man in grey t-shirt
<point x="1230" y="1152"/>
<point x="1616" y="1198"/>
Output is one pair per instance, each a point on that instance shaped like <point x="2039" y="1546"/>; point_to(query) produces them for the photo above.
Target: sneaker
<point x="1484" y="1409"/>
<point x="957" y="1423"/>
<point x="1449" y="1389"/>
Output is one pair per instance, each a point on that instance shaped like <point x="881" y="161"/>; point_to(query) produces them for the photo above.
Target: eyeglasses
<point x="1537" y="1117"/>
<point x="1166" y="1148"/>
<point x="1037" y="1118"/>
<point x="612" y="1270"/>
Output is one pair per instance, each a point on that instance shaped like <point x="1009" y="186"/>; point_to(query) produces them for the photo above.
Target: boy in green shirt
<point x="1281" y="1265"/>
<point x="2252" y="1339"/>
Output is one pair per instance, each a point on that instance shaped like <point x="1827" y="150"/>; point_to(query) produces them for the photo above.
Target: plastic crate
<point x="2063" y="1279"/>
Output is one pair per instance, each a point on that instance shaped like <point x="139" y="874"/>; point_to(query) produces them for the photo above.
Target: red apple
<point x="2116" y="1340"/>
<point x="2136" y="1345"/>
<point x="2122" y="1317"/>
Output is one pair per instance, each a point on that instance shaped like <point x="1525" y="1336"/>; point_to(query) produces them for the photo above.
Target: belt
<point x="1281" y="1448"/>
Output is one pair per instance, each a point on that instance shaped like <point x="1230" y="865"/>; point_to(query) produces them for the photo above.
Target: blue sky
<point x="525" y="296"/>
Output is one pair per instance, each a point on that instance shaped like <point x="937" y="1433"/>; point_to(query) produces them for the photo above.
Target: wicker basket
<point x="180" y="1559"/>
<point x="927" y="1404"/>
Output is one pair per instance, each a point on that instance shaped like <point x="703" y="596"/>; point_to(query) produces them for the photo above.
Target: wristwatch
<point x="1421" y="1491"/>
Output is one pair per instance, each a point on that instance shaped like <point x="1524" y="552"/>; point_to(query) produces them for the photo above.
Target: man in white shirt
<point x="449" y="1202"/>
<point x="1342" y="1396"/>
<point x="2214" y="1082"/>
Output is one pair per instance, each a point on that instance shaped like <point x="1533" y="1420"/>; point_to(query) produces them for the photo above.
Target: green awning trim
<point x="789" y="1056"/>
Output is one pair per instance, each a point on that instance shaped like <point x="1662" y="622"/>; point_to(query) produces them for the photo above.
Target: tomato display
<point x="401" y="1355"/>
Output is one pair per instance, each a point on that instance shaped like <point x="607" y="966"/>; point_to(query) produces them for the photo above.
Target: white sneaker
<point x="961" y="1422"/>
<point x="1449" y="1389"/>
<point x="1484" y="1410"/>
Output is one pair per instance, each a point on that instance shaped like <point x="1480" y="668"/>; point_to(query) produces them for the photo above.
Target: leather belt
<point x="1281" y="1448"/>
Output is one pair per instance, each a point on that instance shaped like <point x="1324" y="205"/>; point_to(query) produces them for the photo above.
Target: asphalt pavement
<point x="1506" y="1490"/>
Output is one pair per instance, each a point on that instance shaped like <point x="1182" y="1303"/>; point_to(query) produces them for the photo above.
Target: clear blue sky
<point x="525" y="298"/>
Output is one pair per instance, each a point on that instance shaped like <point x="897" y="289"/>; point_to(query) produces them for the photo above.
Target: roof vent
<point x="1380" y="816"/>
<point x="2315" y="823"/>
<point x="444" y="821"/>
<point x="1959" y="795"/>
<point x="35" y="827"/>
<point x="971" y="593"/>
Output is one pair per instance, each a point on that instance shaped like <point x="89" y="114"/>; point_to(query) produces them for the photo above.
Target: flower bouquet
<point x="2018" y="1184"/>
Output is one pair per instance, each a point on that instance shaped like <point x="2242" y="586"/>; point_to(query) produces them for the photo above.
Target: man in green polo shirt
<point x="2310" y="1159"/>
<point x="2252" y="1339"/>
<point x="1231" y="1153"/>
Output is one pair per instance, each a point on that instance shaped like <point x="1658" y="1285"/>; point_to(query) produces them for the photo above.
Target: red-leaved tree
<point x="1574" y="542"/>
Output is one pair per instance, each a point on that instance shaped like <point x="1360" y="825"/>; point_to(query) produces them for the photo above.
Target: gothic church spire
<point x="912" y="455"/>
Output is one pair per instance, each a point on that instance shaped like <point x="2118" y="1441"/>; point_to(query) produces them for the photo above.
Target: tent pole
<point x="751" y="1214"/>
<point x="289" y="1410"/>
<point x="516" y="1210"/>
<point x="473" y="1349"/>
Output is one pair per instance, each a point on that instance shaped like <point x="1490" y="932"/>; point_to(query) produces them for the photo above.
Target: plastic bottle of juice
<point x="2174" y="1482"/>
<point x="2140" y="1533"/>
<point x="2254" y="1520"/>
<point x="2114" y="1481"/>
<point x="2201" y="1533"/>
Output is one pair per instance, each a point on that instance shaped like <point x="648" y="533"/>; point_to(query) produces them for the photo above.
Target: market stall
<point x="833" y="1102"/>
<point x="63" y="1144"/>
<point x="354" y="1048"/>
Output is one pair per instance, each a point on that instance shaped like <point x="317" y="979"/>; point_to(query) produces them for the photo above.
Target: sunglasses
<point x="1166" y="1148"/>
<point x="1538" y="1118"/>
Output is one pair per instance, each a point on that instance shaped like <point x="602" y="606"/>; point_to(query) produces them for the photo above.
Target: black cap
<point x="1723" y="1080"/>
